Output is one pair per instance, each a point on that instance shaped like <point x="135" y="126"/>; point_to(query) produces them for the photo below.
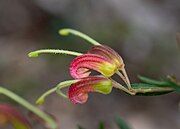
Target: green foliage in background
<point x="150" y="86"/>
<point x="121" y="124"/>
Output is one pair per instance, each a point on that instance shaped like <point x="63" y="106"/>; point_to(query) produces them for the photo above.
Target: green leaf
<point x="168" y="82"/>
<point x="145" y="89"/>
<point x="101" y="125"/>
<point x="153" y="82"/>
<point x="121" y="123"/>
<point x="174" y="83"/>
<point x="79" y="127"/>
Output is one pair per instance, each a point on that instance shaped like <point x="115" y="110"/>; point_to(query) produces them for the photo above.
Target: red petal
<point x="78" y="92"/>
<point x="10" y="114"/>
<point x="108" y="53"/>
<point x="80" y="66"/>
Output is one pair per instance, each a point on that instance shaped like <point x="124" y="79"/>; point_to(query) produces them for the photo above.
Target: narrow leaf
<point x="178" y="39"/>
<point x="168" y="82"/>
<point x="121" y="123"/>
<point x="174" y="83"/>
<point x="101" y="125"/>
<point x="79" y="127"/>
<point x="153" y="82"/>
<point x="145" y="89"/>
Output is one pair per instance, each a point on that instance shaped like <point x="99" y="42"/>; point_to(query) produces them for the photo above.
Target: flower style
<point x="9" y="114"/>
<point x="78" y="92"/>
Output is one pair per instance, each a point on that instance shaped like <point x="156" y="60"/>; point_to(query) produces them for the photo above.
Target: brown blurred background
<point x="141" y="31"/>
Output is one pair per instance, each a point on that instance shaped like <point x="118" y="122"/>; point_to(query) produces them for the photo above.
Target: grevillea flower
<point x="9" y="114"/>
<point x="78" y="92"/>
<point x="100" y="58"/>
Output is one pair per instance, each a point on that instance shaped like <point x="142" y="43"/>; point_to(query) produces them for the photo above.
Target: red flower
<point x="78" y="92"/>
<point x="100" y="58"/>
<point x="9" y="114"/>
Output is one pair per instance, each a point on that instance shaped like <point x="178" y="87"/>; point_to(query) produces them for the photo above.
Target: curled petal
<point x="9" y="114"/>
<point x="80" y="66"/>
<point x="114" y="57"/>
<point x="108" y="53"/>
<point x="78" y="92"/>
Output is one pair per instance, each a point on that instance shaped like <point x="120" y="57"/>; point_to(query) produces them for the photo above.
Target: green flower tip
<point x="64" y="32"/>
<point x="40" y="101"/>
<point x="33" y="54"/>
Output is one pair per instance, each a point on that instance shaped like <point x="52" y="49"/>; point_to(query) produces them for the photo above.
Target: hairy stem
<point x="29" y="106"/>
<point x="68" y="31"/>
<point x="53" y="51"/>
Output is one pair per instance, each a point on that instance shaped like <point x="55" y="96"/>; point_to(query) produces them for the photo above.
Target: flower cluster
<point x="99" y="58"/>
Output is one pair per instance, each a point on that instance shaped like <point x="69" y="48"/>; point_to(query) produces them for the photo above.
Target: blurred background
<point x="143" y="32"/>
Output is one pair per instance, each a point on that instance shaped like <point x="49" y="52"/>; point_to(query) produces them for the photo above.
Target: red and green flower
<point x="78" y="92"/>
<point x="9" y="114"/>
<point x="99" y="58"/>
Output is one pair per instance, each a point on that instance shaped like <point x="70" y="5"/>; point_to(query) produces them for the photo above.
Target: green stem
<point x="67" y="31"/>
<point x="30" y="107"/>
<point x="53" y="51"/>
